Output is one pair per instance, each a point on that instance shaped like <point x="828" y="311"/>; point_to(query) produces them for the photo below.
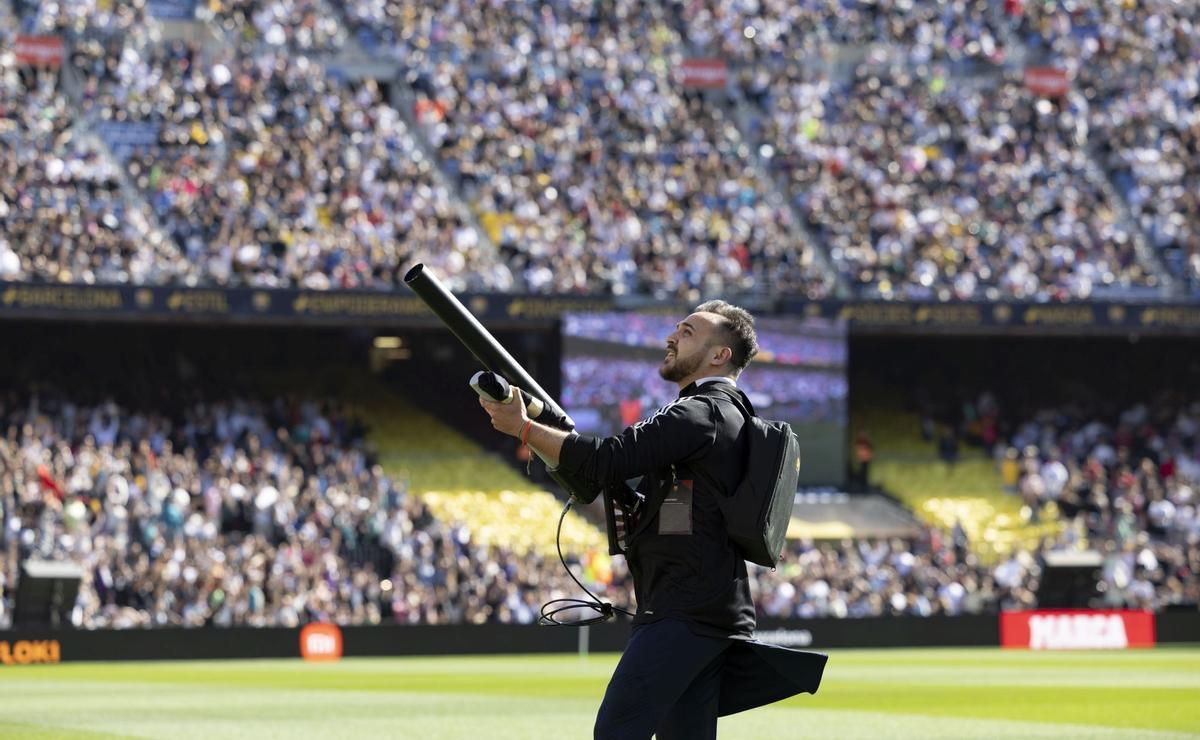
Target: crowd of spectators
<point x="924" y="186"/>
<point x="1139" y="63"/>
<point x="925" y="576"/>
<point x="1059" y="237"/>
<point x="935" y="574"/>
<point x="588" y="165"/>
<point x="1125" y="472"/>
<point x="773" y="33"/>
<point x="589" y="169"/>
<point x="270" y="171"/>
<point x="297" y="26"/>
<point x="242" y="512"/>
<point x="1122" y="480"/>
<point x="63" y="215"/>
<point x="81" y="19"/>
<point x="1133" y="71"/>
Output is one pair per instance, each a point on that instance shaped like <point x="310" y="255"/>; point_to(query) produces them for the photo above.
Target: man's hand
<point x="507" y="417"/>
<point x="511" y="417"/>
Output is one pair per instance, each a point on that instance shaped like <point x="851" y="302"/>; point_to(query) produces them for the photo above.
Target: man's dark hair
<point x="738" y="329"/>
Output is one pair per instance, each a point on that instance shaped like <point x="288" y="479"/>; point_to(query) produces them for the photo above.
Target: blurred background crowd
<point x="879" y="149"/>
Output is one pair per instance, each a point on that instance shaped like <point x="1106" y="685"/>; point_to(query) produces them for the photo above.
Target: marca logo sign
<point x="1062" y="631"/>
<point x="1077" y="630"/>
<point x="320" y="642"/>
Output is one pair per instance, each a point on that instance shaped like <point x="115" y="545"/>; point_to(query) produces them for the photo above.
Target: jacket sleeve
<point x="680" y="431"/>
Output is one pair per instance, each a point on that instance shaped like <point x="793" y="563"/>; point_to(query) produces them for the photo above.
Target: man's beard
<point x="682" y="367"/>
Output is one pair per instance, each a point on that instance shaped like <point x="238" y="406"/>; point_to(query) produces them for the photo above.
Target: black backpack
<point x="758" y="512"/>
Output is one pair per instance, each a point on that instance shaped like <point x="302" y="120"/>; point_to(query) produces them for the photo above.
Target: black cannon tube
<point x="495" y="358"/>
<point x="480" y="342"/>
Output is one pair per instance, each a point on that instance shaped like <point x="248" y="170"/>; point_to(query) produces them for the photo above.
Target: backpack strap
<point x="731" y="394"/>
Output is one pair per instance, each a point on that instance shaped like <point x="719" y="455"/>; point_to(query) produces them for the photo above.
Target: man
<point x="691" y="656"/>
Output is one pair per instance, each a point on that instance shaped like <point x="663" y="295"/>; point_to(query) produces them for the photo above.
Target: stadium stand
<point x="947" y="492"/>
<point x="446" y="470"/>
<point x="1139" y="65"/>
<point x="242" y="512"/>
<point x="1124" y="480"/>
<point x="927" y="187"/>
<point x="62" y="206"/>
<point x="567" y="157"/>
<point x="1091" y="475"/>
<point x="270" y="172"/>
<point x="260" y="514"/>
<point x="605" y="174"/>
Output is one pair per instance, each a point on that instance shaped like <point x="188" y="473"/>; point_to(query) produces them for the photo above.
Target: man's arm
<point x="681" y="431"/>
<point x="547" y="442"/>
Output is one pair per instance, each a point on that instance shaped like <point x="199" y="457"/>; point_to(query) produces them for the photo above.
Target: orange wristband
<point x="525" y="432"/>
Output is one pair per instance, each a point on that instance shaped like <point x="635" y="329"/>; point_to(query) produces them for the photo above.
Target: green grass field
<point x="938" y="693"/>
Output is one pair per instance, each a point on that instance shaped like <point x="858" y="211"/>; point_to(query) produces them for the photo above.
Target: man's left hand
<point x="507" y="417"/>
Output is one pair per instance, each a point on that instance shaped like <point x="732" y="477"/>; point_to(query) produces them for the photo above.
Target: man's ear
<point x="722" y="355"/>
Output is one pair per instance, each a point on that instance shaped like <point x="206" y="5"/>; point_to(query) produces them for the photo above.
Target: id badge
<point x="675" y="514"/>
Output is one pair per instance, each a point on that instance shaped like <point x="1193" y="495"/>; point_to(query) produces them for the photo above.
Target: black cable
<point x="605" y="611"/>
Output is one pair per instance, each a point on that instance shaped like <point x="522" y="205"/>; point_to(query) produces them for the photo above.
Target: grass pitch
<point x="938" y="693"/>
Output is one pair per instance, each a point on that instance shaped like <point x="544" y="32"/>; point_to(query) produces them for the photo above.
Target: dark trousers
<point x="668" y="683"/>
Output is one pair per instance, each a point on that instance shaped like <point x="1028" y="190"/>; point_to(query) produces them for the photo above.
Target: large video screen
<point x="610" y="379"/>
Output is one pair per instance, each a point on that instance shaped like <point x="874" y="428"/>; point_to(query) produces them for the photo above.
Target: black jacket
<point x="697" y="577"/>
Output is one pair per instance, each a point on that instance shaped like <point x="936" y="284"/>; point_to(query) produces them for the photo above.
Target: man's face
<point x="688" y="347"/>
